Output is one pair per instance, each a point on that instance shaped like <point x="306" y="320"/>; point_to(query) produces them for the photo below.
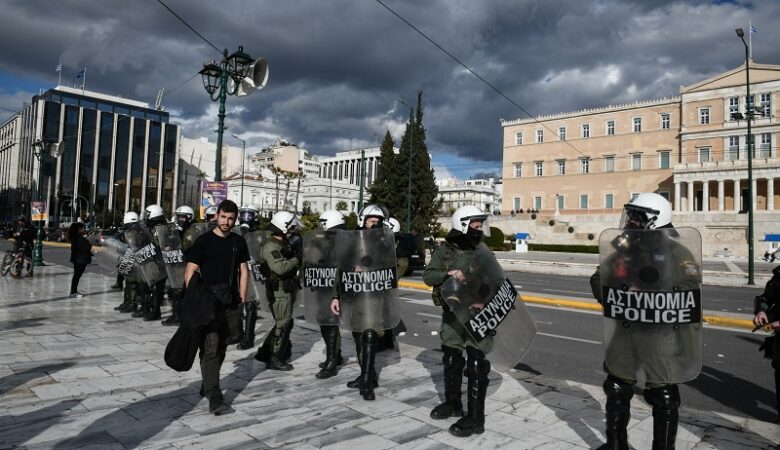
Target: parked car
<point x="57" y="234"/>
<point x="412" y="246"/>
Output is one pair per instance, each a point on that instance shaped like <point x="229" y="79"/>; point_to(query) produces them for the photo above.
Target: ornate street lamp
<point x="237" y="74"/>
<point x="749" y="115"/>
<point x="41" y="148"/>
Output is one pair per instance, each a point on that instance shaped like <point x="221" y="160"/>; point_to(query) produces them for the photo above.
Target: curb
<point x="730" y="322"/>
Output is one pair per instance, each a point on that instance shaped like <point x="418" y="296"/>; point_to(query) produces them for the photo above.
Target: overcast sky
<point x="338" y="66"/>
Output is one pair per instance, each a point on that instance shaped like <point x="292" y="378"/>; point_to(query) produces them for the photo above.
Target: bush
<point x="533" y="216"/>
<point x="591" y="236"/>
<point x="496" y="239"/>
<point x="552" y="223"/>
<point x="571" y="230"/>
<point x="564" y="248"/>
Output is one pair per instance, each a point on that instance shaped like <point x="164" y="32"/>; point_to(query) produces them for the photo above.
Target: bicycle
<point x="16" y="263"/>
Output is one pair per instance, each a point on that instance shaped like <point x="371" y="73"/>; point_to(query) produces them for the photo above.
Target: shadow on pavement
<point x="748" y="398"/>
<point x="10" y="382"/>
<point x="432" y="361"/>
<point x="22" y="323"/>
<point x="54" y="299"/>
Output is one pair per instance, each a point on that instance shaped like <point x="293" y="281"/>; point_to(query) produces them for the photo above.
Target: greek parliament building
<point x="119" y="155"/>
<point x="582" y="167"/>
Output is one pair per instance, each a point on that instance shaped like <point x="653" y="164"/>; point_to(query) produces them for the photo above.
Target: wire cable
<point x="189" y="26"/>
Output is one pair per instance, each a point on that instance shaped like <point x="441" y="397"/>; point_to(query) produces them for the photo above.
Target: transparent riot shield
<point x="367" y="279"/>
<point x="148" y="260"/>
<point x="651" y="293"/>
<point x="197" y="230"/>
<point x="115" y="254"/>
<point x="487" y="304"/>
<point x="172" y="255"/>
<point x="254" y="242"/>
<point x="319" y="276"/>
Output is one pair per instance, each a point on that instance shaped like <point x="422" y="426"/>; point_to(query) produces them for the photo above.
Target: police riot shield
<point x="148" y="260"/>
<point x="115" y="254"/>
<point x="319" y="276"/>
<point x="197" y="230"/>
<point x="172" y="255"/>
<point x="254" y="242"/>
<point x="367" y="279"/>
<point x="491" y="311"/>
<point x="651" y="294"/>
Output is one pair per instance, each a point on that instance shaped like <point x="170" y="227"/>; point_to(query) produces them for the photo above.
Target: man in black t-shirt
<point x="211" y="254"/>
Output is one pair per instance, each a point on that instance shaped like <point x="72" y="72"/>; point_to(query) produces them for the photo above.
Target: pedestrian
<point x="221" y="259"/>
<point x="767" y="314"/>
<point x="80" y="255"/>
<point x="452" y="259"/>
<point x="649" y="255"/>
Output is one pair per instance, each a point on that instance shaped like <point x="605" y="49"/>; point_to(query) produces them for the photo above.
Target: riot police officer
<point x="183" y="218"/>
<point x="280" y="259"/>
<point x="451" y="259"/>
<point x="153" y="216"/>
<point x="631" y="351"/>
<point x="247" y="217"/>
<point x="132" y="285"/>
<point x="211" y="214"/>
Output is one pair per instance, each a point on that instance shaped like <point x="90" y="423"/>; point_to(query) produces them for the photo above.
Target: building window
<point x="766" y="105"/>
<point x="610" y="128"/>
<point x="516" y="203"/>
<point x="665" y="121"/>
<point x="666" y="194"/>
<point x="559" y="201"/>
<point x="539" y="136"/>
<point x="664" y="159"/>
<point x="733" y="107"/>
<point x="539" y="166"/>
<point x="561" y="166"/>
<point x="518" y="170"/>
<point x="732" y="153"/>
<point x="538" y="203"/>
<point x="562" y="133"/>
<point x="584" y="165"/>
<point x="636" y="161"/>
<point x="704" y="116"/>
<point x="609" y="163"/>
<point x="519" y="138"/>
<point x="704" y="154"/>
<point x="583" y="201"/>
<point x="749" y="102"/>
<point x="586" y="130"/>
<point x="764" y="151"/>
<point x="609" y="201"/>
<point x="637" y="124"/>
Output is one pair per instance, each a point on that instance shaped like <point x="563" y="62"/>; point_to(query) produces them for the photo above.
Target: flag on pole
<point x="750" y="39"/>
<point x="753" y="29"/>
<point x="81" y="73"/>
<point x="59" y="68"/>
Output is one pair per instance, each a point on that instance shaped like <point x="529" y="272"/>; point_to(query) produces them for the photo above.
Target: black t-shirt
<point x="214" y="253"/>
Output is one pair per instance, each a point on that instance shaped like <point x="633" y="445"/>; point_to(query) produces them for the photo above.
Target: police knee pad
<point x="370" y="336"/>
<point x="477" y="364"/>
<point x="474" y="353"/>
<point x="664" y="397"/>
<point x="452" y="357"/>
<point x="618" y="392"/>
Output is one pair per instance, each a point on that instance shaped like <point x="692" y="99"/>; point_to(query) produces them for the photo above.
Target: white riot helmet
<point x="130" y="217"/>
<point x="153" y="212"/>
<point x="647" y="211"/>
<point x="393" y="224"/>
<point x="284" y="222"/>
<point x="211" y="213"/>
<point x="372" y="210"/>
<point x="184" y="215"/>
<point x="247" y="215"/>
<point x="331" y="219"/>
<point x="464" y="215"/>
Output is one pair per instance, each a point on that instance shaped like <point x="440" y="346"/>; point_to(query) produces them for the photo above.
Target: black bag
<point x="182" y="348"/>
<point x="199" y="306"/>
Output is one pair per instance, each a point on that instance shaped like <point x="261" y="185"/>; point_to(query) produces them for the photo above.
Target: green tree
<point x="341" y="206"/>
<point x="425" y="203"/>
<point x="384" y="189"/>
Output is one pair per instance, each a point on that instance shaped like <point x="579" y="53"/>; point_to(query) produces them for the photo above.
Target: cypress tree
<point x="382" y="191"/>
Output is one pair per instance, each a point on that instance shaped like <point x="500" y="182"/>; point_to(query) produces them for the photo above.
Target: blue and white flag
<point x="59" y="68"/>
<point x="81" y="73"/>
<point x="753" y="29"/>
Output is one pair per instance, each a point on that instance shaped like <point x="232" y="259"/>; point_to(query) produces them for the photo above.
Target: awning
<point x="772" y="237"/>
<point x="528" y="235"/>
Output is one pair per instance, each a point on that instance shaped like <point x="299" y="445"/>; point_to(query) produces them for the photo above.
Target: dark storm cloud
<point x="338" y="67"/>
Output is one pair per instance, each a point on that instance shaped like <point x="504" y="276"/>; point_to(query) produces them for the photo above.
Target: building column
<point x="705" y="196"/>
<point x="677" y="197"/>
<point x="754" y="197"/>
<point x="689" y="195"/>
<point x="737" y="196"/>
<point x="770" y="194"/>
<point x="721" y="195"/>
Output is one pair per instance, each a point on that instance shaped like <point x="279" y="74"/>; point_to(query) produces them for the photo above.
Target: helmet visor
<point x="637" y="217"/>
<point x="483" y="220"/>
<point x="246" y="216"/>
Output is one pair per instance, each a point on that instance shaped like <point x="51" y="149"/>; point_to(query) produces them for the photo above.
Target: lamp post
<point x="411" y="152"/>
<point x="234" y="67"/>
<point x="40" y="147"/>
<point x="113" y="219"/>
<point x="749" y="116"/>
<point x="243" y="158"/>
<point x="362" y="177"/>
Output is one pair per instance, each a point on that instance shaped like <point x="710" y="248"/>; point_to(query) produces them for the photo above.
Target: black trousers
<point x="78" y="271"/>
<point x="212" y="353"/>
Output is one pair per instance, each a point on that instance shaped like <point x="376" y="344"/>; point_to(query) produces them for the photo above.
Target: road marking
<point x="422" y="302"/>
<point x="569" y="338"/>
<point x="435" y="316"/>
<point x="568" y="292"/>
<point x="733" y="267"/>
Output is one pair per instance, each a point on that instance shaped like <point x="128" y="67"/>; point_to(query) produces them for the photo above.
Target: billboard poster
<point x="211" y="194"/>
<point x="38" y="211"/>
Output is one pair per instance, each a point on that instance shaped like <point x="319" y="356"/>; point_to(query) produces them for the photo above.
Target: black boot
<point x="665" y="402"/>
<point x="368" y="379"/>
<point x="250" y="319"/>
<point x="453" y="362"/>
<point x="119" y="281"/>
<point x="264" y="352"/>
<point x="173" y="319"/>
<point x="618" y="408"/>
<point x="358" y="338"/>
<point x="153" y="313"/>
<point x="281" y="342"/>
<point x="474" y="422"/>
<point x="144" y="303"/>
<point x="331" y="336"/>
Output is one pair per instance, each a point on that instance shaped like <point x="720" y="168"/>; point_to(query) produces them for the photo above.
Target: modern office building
<point x="117" y="155"/>
<point x="345" y="166"/>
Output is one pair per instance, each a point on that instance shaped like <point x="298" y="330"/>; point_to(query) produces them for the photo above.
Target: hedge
<point x="564" y="248"/>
